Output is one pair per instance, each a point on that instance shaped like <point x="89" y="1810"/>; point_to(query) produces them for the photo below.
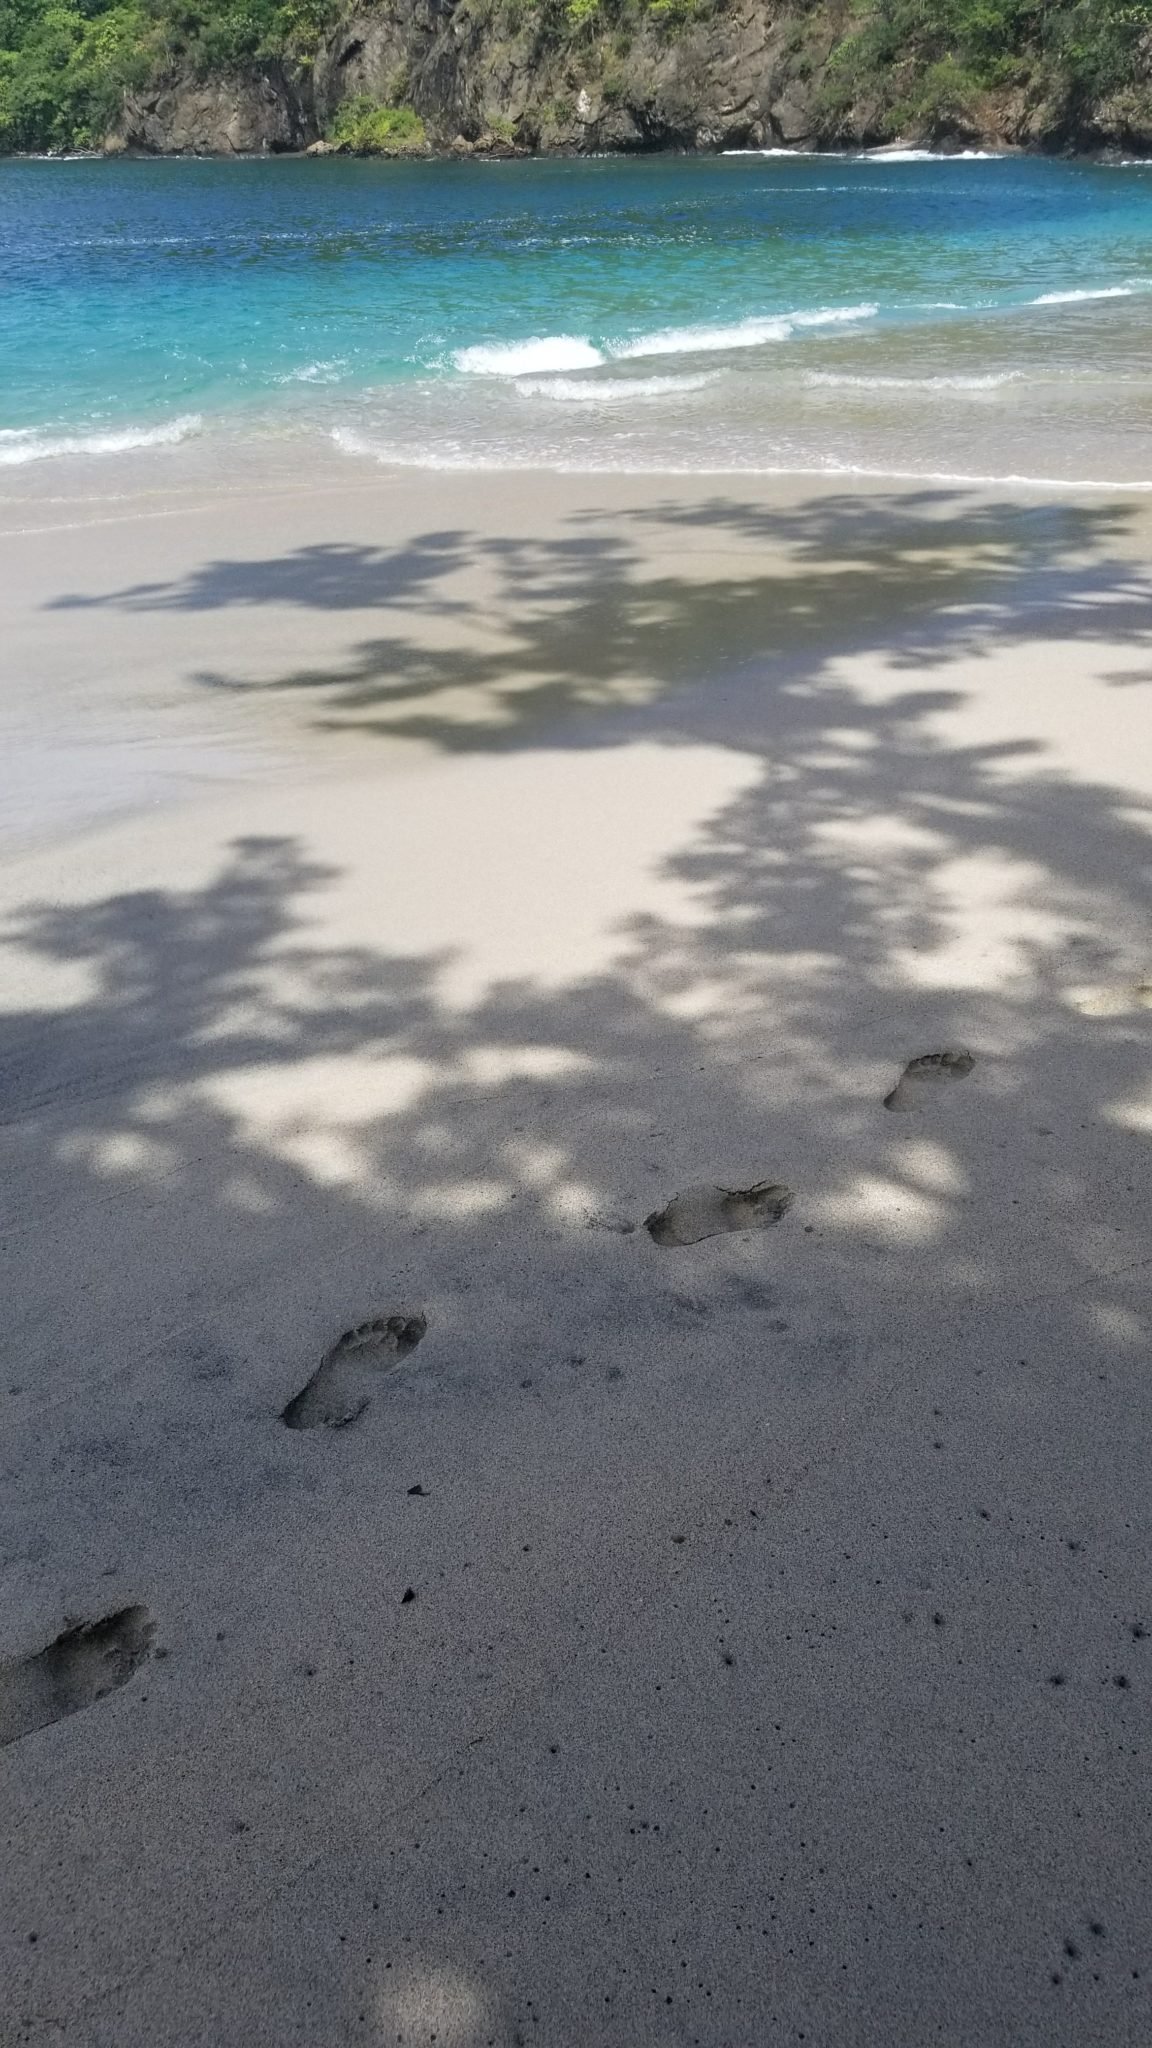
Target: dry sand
<point x="412" y="884"/>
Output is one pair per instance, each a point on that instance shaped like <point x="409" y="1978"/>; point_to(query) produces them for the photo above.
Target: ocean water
<point x="894" y="313"/>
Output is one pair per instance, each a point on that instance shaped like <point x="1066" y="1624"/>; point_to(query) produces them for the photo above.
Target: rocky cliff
<point x="490" y="75"/>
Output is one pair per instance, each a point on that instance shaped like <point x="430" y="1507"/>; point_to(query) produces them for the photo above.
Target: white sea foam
<point x="792" y="150"/>
<point x="557" y="353"/>
<point x="1106" y="291"/>
<point x="454" y="457"/>
<point x="828" y="316"/>
<point x="895" y="154"/>
<point x="886" y="152"/>
<point x="522" y="358"/>
<point x="612" y="390"/>
<point x="29" y="444"/>
<point x="682" y="341"/>
<point x="843" y="382"/>
<point x="751" y="333"/>
<point x="315" y="373"/>
<point x="951" y="476"/>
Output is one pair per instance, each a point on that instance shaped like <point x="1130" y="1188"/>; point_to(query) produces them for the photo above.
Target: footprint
<point x="1118" y="999"/>
<point x="86" y="1661"/>
<point x="708" y="1211"/>
<point x="922" y="1077"/>
<point x="344" y="1381"/>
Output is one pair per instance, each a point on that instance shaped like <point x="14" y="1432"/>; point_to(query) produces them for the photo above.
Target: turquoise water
<point x="929" y="316"/>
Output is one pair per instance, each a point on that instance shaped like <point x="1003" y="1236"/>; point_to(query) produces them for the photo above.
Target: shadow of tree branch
<point x="496" y="635"/>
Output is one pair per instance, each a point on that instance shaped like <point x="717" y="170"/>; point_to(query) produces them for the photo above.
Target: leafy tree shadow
<point x="803" y="924"/>
<point x="583" y="627"/>
<point x="169" y="1122"/>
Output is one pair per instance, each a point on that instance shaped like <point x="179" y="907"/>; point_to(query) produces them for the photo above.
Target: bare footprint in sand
<point x="83" y="1665"/>
<point x="1118" y="999"/>
<point x="708" y="1211"/>
<point x="922" y="1078"/>
<point x="346" y="1377"/>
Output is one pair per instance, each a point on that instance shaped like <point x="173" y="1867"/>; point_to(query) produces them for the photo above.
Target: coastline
<point x="1106" y="154"/>
<point x="453" y="868"/>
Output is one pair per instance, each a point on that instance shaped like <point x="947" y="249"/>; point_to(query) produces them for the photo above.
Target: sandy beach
<point x="410" y="884"/>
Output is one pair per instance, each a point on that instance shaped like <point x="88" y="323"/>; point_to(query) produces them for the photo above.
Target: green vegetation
<point x="370" y="130"/>
<point x="63" y="70"/>
<point x="66" y="64"/>
<point x="900" y="65"/>
<point x="673" y="14"/>
<point x="930" y="63"/>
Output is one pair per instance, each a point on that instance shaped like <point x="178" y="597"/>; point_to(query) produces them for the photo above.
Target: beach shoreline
<point x="833" y="320"/>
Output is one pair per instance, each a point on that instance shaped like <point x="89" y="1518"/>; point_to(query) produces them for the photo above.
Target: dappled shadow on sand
<point x="487" y="636"/>
<point x="829" y="894"/>
<point x="948" y="1343"/>
<point x="874" y="887"/>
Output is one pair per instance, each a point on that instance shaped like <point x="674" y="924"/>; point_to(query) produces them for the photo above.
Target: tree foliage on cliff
<point x="928" y="64"/>
<point x="65" y="65"/>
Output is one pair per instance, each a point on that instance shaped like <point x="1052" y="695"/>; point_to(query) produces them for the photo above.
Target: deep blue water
<point x="940" y="315"/>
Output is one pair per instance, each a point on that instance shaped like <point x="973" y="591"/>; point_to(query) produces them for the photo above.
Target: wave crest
<point x="751" y="333"/>
<point x="521" y="358"/>
<point x="1104" y="291"/>
<point x="30" y="444"/>
<point x="557" y="353"/>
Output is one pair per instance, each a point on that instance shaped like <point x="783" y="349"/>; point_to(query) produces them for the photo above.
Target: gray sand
<point x="527" y="853"/>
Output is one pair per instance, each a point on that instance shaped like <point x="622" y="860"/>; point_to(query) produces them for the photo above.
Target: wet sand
<point x="728" y="1631"/>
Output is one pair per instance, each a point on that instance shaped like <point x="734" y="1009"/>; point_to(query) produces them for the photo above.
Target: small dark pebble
<point x="409" y="1593"/>
<point x="419" y="1490"/>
